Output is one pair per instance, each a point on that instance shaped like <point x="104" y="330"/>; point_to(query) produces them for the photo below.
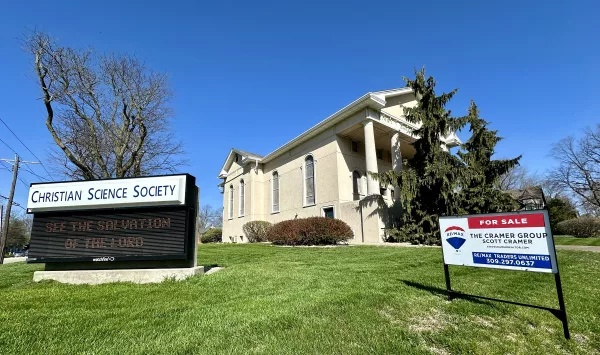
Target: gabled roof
<point x="246" y="156"/>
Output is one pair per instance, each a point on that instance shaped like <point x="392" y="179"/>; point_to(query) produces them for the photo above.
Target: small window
<point x="328" y="212"/>
<point x="382" y="191"/>
<point x="379" y="153"/>
<point x="355" y="146"/>
<point x="242" y="202"/>
<point x="393" y="194"/>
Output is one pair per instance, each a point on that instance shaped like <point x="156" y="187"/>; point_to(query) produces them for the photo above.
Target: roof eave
<point x="368" y="100"/>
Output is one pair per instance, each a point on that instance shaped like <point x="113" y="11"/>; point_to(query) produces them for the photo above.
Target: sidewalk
<point x="592" y="248"/>
<point x="579" y="247"/>
<point x="14" y="260"/>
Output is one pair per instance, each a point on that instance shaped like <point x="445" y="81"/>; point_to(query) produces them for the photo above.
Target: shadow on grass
<point x="444" y="293"/>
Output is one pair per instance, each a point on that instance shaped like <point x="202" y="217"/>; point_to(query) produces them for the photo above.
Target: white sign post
<point x="513" y="240"/>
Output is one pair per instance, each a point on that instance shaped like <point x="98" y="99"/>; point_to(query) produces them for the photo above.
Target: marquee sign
<point x="514" y="241"/>
<point x="116" y="220"/>
<point x="141" y="233"/>
<point x="158" y="190"/>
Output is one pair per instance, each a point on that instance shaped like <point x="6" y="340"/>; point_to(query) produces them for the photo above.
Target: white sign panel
<point x="156" y="190"/>
<point x="512" y="240"/>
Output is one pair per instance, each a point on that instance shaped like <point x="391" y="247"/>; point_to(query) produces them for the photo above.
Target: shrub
<point x="581" y="227"/>
<point x="310" y="231"/>
<point x="212" y="235"/>
<point x="560" y="210"/>
<point x="256" y="231"/>
<point x="406" y="235"/>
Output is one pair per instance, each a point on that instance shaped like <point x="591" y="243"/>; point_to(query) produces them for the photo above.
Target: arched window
<point x="275" y="192"/>
<point x="230" y="201"/>
<point x="356" y="179"/>
<point x="309" y="180"/>
<point x="242" y="197"/>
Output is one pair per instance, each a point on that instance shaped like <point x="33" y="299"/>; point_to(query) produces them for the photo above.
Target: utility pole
<point x="11" y="196"/>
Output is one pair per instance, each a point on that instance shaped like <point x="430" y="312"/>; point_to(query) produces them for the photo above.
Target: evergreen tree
<point x="479" y="174"/>
<point x="428" y="186"/>
<point x="560" y="209"/>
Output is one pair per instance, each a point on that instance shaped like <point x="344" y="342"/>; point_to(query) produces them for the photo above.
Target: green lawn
<point x="567" y="240"/>
<point x="277" y="300"/>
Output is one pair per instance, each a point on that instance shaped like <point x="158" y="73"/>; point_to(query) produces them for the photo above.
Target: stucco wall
<point x="290" y="167"/>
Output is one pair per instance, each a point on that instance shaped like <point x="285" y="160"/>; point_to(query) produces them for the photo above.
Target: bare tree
<point x="209" y="216"/>
<point x="109" y="115"/>
<point x="518" y="178"/>
<point x="578" y="169"/>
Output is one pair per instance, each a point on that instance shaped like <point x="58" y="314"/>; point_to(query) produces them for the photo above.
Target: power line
<point x="24" y="145"/>
<point x="9" y="147"/>
<point x="28" y="170"/>
<point x="14" y="203"/>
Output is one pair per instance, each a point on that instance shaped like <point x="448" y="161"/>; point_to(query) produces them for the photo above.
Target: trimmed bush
<point x="310" y="231"/>
<point x="212" y="236"/>
<point x="256" y="231"/>
<point x="582" y="227"/>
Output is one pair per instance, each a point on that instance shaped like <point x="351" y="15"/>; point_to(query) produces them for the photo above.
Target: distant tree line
<point x="19" y="232"/>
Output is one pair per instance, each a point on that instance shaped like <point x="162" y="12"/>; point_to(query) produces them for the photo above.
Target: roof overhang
<point x="374" y="100"/>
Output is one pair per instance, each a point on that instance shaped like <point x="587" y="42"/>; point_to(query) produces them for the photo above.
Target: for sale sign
<point x="512" y="240"/>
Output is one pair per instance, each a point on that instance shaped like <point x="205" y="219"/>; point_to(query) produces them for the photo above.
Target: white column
<point x="396" y="159"/>
<point x="371" y="158"/>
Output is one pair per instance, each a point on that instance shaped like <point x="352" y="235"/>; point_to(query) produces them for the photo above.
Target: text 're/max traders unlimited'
<point x="105" y="194"/>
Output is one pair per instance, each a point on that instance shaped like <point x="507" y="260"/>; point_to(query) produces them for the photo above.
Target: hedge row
<point x="582" y="227"/>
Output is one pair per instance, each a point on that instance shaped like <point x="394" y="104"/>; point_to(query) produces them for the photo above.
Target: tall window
<point x="275" y="192"/>
<point x="230" y="201"/>
<point x="242" y="197"/>
<point x="356" y="185"/>
<point x="309" y="180"/>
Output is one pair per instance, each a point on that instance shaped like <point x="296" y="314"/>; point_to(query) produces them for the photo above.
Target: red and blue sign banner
<point x="513" y="240"/>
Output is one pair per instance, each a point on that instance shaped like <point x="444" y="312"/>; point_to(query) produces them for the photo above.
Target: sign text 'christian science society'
<point x="514" y="241"/>
<point x="167" y="190"/>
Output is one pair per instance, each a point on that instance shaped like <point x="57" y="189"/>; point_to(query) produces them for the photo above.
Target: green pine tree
<point x="479" y="172"/>
<point x="428" y="186"/>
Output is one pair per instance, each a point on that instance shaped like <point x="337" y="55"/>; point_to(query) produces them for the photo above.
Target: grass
<point x="347" y="300"/>
<point x="568" y="240"/>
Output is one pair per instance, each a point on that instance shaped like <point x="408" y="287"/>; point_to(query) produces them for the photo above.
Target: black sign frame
<point x="187" y="258"/>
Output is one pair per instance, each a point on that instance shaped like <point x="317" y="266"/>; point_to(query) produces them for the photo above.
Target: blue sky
<point x="253" y="75"/>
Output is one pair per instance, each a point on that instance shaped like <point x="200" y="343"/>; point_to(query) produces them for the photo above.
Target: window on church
<point x="309" y="180"/>
<point x="242" y="203"/>
<point x="230" y="201"/>
<point x="275" y="191"/>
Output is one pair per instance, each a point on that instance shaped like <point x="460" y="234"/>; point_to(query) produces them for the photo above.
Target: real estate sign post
<point x="512" y="241"/>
